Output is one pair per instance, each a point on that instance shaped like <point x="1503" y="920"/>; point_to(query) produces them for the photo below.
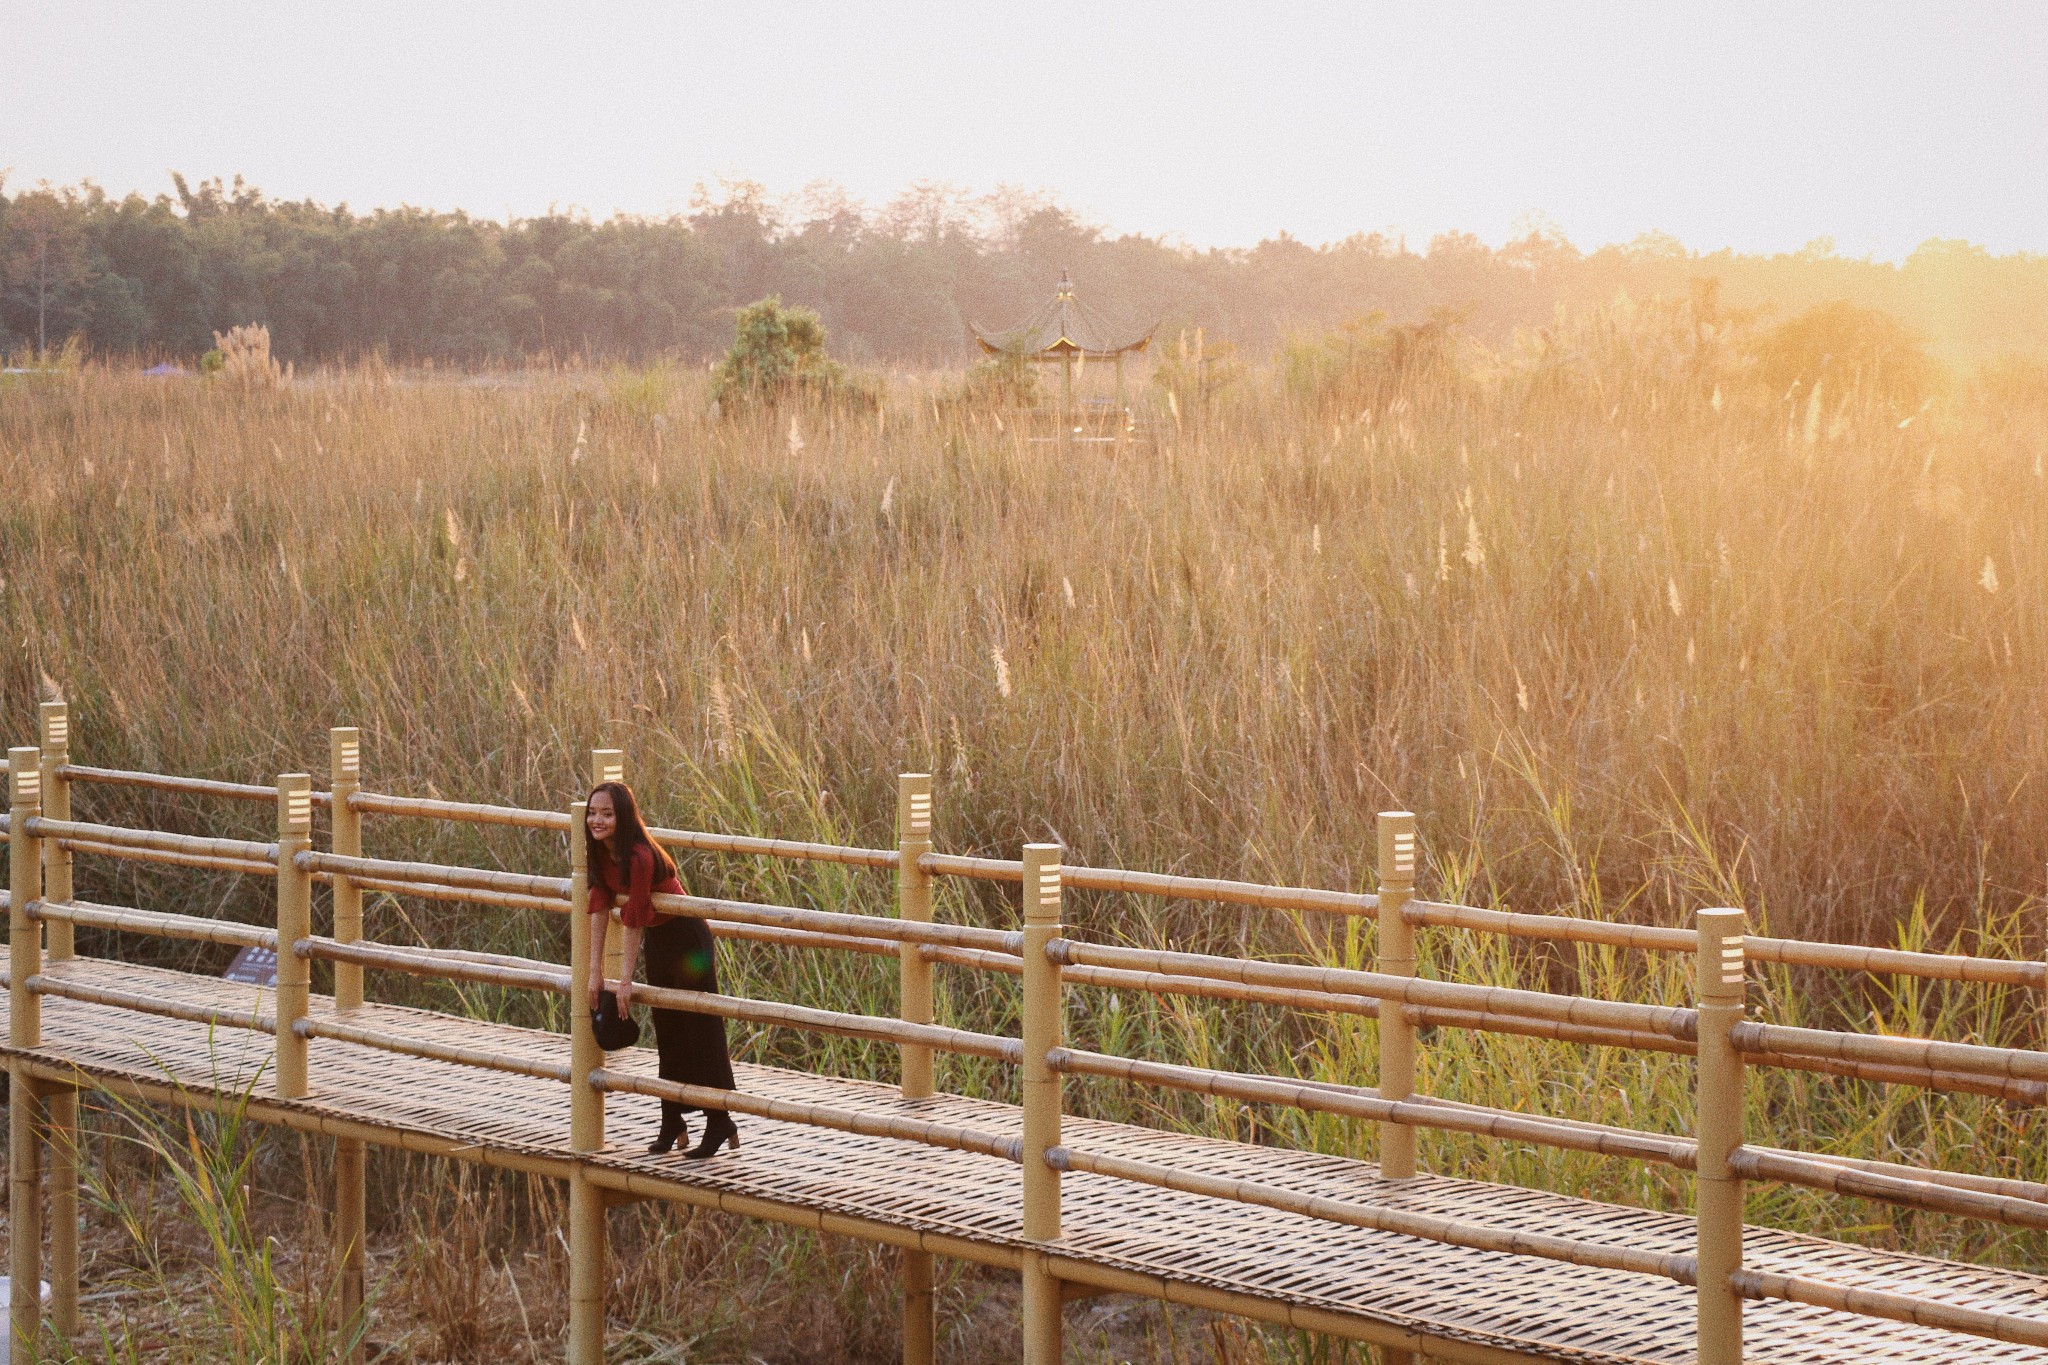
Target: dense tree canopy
<point x="156" y="277"/>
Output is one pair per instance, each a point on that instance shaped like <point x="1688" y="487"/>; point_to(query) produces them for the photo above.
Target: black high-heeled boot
<point x="673" y="1129"/>
<point x="718" y="1128"/>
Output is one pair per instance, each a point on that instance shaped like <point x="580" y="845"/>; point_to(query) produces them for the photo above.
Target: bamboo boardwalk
<point x="1385" y="1253"/>
<point x="1452" y="1302"/>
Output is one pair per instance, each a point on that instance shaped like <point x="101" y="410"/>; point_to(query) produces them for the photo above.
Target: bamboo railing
<point x="43" y="838"/>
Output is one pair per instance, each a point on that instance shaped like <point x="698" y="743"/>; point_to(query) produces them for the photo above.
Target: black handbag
<point x="614" y="1030"/>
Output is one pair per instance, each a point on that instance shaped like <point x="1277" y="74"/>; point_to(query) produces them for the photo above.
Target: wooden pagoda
<point x="1068" y="333"/>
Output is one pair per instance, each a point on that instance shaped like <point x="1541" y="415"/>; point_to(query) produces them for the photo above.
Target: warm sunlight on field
<point x="1646" y="612"/>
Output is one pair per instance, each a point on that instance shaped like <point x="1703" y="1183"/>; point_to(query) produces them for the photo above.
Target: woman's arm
<point x="599" y="919"/>
<point x="627" y="962"/>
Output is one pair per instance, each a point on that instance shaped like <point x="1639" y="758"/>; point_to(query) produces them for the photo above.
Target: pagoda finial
<point x="1066" y="289"/>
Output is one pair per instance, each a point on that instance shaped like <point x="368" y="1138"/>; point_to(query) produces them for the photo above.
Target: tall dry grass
<point x="1631" y="632"/>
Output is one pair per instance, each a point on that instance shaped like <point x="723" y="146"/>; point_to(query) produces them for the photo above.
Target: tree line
<point x="143" y="277"/>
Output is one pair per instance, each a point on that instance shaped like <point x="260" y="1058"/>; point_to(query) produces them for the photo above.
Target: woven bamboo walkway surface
<point x="1518" y="1305"/>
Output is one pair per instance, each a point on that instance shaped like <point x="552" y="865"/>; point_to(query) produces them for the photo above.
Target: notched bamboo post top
<point x="345" y="832"/>
<point x="294" y="922"/>
<point x="607" y="765"/>
<point x="1397" y="860"/>
<point x="24" y="886"/>
<point x="914" y="902"/>
<point x="1721" y="982"/>
<point x="54" y="732"/>
<point x="1043" y="1029"/>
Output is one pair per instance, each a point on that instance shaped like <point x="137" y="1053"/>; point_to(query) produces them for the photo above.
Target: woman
<point x="624" y="861"/>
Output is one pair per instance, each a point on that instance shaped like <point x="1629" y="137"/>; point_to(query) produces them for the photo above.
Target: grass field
<point x="1634" y="627"/>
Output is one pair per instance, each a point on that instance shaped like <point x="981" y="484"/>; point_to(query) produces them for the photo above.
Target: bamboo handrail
<point x="199" y="786"/>
<point x="432" y="962"/>
<point x="1564" y="928"/>
<point x="1877" y="1303"/>
<point x="1327" y="1098"/>
<point x="1967" y="1058"/>
<point x="511" y="900"/>
<point x="1483" y="1000"/>
<point x="162" y="925"/>
<point x="85" y="993"/>
<point x="1752" y="1164"/>
<point x="1156" y="983"/>
<point x="248" y="867"/>
<point x="964" y="1041"/>
<point x="1792" y="952"/>
<point x="981" y="869"/>
<point x="1850" y="957"/>
<point x="2027" y="1190"/>
<point x="475" y="878"/>
<point x="1217" y="889"/>
<point x="42" y="827"/>
<point x="1585" y="1035"/>
<point x="795" y="849"/>
<point x="980" y="959"/>
<point x="377" y="803"/>
<point x="830" y="921"/>
<point x="515" y="962"/>
<point x="2029" y="1093"/>
<point x="330" y="1028"/>
<point x="806" y="938"/>
<point x="1478" y="1237"/>
<point x="903" y="1127"/>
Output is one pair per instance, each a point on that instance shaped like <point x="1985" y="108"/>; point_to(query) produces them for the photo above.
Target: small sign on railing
<point x="253" y="966"/>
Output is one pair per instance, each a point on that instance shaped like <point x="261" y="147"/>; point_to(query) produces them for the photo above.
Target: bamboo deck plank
<point x="1546" y="1309"/>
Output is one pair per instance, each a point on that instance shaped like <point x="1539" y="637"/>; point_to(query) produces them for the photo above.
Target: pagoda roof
<point x="1065" y="328"/>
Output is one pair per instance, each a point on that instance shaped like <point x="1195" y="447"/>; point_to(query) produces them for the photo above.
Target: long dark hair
<point x="629" y="829"/>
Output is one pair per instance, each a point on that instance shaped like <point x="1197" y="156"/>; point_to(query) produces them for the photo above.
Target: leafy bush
<point x="777" y="354"/>
<point x="1363" y="360"/>
<point x="1007" y="379"/>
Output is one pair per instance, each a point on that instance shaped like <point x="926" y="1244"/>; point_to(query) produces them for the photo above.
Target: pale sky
<point x="1757" y="126"/>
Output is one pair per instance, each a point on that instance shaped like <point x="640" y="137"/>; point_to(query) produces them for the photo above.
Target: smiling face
<point x="601" y="819"/>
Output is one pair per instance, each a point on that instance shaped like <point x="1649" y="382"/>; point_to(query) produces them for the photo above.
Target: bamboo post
<point x="609" y="765"/>
<point x="586" y="1121"/>
<point x="586" y="1101"/>
<point x="1396" y="958"/>
<point x="345" y="834"/>
<point x="24" y="1030"/>
<point x="55" y="727"/>
<point x="294" y="922"/>
<point x="24" y="1218"/>
<point x="1717" y="1126"/>
<point x="24" y="886"/>
<point x="351" y="1155"/>
<point x="586" y="1271"/>
<point x="60" y="1101"/>
<point x="914" y="902"/>
<point x="1043" y="1031"/>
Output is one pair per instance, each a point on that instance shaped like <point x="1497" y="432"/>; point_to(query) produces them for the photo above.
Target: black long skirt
<point x="691" y="1046"/>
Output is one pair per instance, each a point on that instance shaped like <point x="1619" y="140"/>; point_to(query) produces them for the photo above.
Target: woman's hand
<point x="596" y="989"/>
<point x="625" y="994"/>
